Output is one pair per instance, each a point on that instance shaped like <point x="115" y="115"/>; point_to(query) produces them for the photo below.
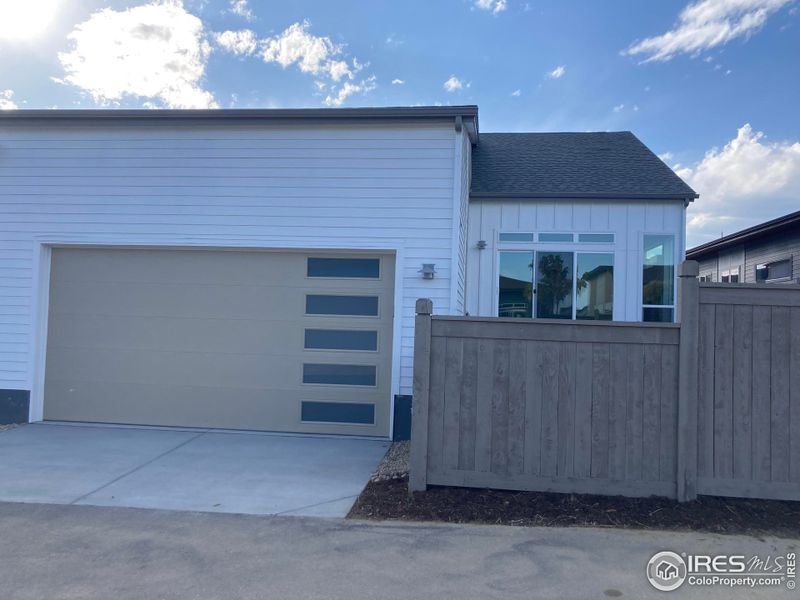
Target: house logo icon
<point x="666" y="571"/>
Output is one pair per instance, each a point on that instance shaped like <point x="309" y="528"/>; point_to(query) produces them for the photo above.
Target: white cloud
<point x="748" y="181"/>
<point x="348" y="89"/>
<point x="156" y="51"/>
<point x="619" y="108"/>
<point x="241" y="42"/>
<point x="394" y="41"/>
<point x="706" y="24"/>
<point x="666" y="156"/>
<point x="6" y="100"/>
<point x="493" y="6"/>
<point x="397" y="81"/>
<point x="516" y="93"/>
<point x="558" y="72"/>
<point x="241" y="8"/>
<point x="312" y="54"/>
<point x="453" y="84"/>
<point x="26" y="20"/>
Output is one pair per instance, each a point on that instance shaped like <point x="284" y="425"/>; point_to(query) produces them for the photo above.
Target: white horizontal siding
<point x="627" y="220"/>
<point x="355" y="185"/>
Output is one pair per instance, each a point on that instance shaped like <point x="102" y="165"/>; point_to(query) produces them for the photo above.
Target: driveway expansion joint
<point x="141" y="466"/>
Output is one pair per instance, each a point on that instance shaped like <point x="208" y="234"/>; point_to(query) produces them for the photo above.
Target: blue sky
<point x="712" y="86"/>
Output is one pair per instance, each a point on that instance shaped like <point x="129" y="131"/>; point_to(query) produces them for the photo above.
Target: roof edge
<point x="371" y="112"/>
<point x="743" y="235"/>
<point x="466" y="114"/>
<point x="581" y="196"/>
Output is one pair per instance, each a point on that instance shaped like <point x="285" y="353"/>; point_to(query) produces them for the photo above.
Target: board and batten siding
<point x="627" y="220"/>
<point x="360" y="186"/>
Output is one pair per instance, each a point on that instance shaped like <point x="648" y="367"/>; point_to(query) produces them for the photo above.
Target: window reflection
<point x="554" y="285"/>
<point x="595" y="287"/>
<point x="515" y="284"/>
<point x="658" y="278"/>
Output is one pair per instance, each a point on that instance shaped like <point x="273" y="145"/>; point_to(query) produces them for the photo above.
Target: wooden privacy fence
<point x="708" y="406"/>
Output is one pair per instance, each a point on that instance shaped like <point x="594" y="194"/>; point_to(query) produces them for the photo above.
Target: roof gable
<point x="571" y="165"/>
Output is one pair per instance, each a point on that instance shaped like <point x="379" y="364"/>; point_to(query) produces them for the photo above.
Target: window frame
<point x="574" y="248"/>
<point x="782" y="279"/>
<point x="725" y="276"/>
<point x="675" y="263"/>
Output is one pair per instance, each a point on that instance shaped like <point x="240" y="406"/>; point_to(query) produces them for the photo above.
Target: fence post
<point x="418" y="467"/>
<point x="688" y="316"/>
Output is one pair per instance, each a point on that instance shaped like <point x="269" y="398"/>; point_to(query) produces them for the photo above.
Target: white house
<point x="258" y="269"/>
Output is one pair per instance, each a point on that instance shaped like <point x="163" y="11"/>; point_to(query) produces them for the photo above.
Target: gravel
<point x="10" y="426"/>
<point x="394" y="465"/>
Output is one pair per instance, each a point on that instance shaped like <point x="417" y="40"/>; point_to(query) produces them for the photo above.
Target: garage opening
<point x="258" y="340"/>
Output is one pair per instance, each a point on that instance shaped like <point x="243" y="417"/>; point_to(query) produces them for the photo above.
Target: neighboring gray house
<point x="258" y="269"/>
<point x="765" y="253"/>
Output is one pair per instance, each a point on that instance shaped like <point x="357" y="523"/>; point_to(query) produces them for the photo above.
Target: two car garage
<point x="234" y="339"/>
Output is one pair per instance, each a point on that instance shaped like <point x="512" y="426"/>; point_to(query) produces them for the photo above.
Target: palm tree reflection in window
<point x="554" y="285"/>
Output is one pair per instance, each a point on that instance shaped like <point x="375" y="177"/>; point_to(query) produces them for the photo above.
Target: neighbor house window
<point x="730" y="275"/>
<point x="774" y="271"/>
<point x="658" y="278"/>
<point x="706" y="277"/>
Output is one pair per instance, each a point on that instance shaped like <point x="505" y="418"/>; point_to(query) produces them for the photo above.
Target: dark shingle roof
<point x="571" y="165"/>
<point x="762" y="230"/>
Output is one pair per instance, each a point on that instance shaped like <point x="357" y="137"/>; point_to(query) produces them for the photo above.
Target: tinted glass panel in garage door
<point x="344" y="267"/>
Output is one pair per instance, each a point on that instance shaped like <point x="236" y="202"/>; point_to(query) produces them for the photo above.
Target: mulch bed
<point x="390" y="500"/>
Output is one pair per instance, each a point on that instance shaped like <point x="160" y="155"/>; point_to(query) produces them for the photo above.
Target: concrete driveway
<point x="195" y="470"/>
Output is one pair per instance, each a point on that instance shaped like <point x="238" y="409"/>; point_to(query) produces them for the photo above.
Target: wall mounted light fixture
<point x="427" y="270"/>
<point x="481" y="244"/>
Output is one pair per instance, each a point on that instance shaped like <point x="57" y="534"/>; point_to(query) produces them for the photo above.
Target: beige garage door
<point x="275" y="341"/>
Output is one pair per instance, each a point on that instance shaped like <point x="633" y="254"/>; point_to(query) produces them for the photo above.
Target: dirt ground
<point x="390" y="500"/>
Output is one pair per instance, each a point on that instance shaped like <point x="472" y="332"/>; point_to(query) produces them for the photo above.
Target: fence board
<point x="742" y="391"/>
<point x="583" y="410"/>
<point x="483" y="433"/>
<point x="516" y="407"/>
<point x="705" y="392"/>
<point x="549" y="456"/>
<point x="499" y="422"/>
<point x="617" y="410"/>
<point x="454" y="348"/>
<point x="794" y="385"/>
<point x="469" y="405"/>
<point x="436" y="403"/>
<point x="779" y="396"/>
<point x="566" y="410"/>
<point x="723" y="392"/>
<point x="669" y="415"/>
<point x="762" y="352"/>
<point x="651" y="413"/>
<point x="533" y="409"/>
<point x="600" y="398"/>
<point x="634" y="398"/>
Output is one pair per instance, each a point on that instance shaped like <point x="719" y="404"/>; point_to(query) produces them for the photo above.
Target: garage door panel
<point x="188" y="334"/>
<point x="132" y="341"/>
<point x="203" y="368"/>
<point x="192" y="300"/>
<point x="195" y="406"/>
<point x="201" y="267"/>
